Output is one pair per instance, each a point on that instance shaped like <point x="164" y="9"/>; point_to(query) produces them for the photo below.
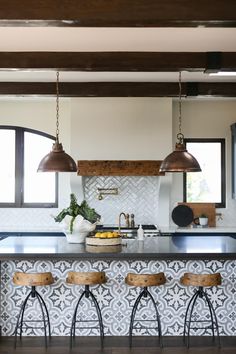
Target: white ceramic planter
<point x="76" y="237"/>
<point x="203" y="221"/>
<point x="81" y="228"/>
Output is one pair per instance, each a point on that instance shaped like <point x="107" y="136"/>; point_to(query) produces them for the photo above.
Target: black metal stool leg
<point x="211" y="314"/>
<point x="186" y="314"/>
<point x="47" y="314"/>
<point x="214" y="314"/>
<point x="44" y="320"/>
<point x="99" y="314"/>
<point x="20" y="318"/>
<point x="190" y="316"/>
<point x="22" y="314"/>
<point x="157" y="317"/>
<point x="72" y="329"/>
<point x="137" y="301"/>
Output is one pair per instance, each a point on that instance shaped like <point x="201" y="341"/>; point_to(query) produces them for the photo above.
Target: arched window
<point x="21" y="186"/>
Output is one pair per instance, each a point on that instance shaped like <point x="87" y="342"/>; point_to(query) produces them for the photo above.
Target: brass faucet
<point x="126" y="216"/>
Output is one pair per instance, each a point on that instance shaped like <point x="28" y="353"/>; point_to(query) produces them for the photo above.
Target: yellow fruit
<point x="98" y="234"/>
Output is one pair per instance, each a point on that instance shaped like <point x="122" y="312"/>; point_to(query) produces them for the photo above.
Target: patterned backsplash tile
<point x="137" y="195"/>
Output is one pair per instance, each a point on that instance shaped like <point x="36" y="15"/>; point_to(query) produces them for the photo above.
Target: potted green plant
<point x="77" y="220"/>
<point x="203" y="219"/>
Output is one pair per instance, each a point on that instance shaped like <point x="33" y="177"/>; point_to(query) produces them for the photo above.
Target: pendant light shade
<point x="180" y="160"/>
<point x="57" y="160"/>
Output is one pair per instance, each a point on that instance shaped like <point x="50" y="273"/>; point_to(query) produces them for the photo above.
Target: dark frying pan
<point x="182" y="215"/>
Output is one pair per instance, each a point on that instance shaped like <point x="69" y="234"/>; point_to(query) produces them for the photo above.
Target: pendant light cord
<point x="57" y="107"/>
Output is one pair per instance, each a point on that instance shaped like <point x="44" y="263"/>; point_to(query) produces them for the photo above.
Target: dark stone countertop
<point x="173" y="247"/>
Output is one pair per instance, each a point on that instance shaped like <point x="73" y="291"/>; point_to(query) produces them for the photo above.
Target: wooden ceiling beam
<point x="118" y="61"/>
<point x="118" y="89"/>
<point x="118" y="13"/>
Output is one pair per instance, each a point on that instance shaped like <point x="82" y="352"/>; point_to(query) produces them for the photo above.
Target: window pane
<point x="205" y="186"/>
<point x="38" y="187"/>
<point x="7" y="159"/>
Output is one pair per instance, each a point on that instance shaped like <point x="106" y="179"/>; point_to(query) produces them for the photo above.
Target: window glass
<point x="207" y="186"/>
<point x="38" y="187"/>
<point x="7" y="163"/>
<point x="21" y="150"/>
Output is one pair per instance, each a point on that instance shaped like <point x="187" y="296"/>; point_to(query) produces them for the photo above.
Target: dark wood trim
<point x="118" y="344"/>
<point x="113" y="61"/>
<point x="119" y="13"/>
<point x="118" y="89"/>
<point x="119" y="168"/>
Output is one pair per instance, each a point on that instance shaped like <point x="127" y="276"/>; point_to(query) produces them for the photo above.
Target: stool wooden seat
<point x="33" y="279"/>
<point x="201" y="281"/>
<point x="191" y="279"/>
<point x="86" y="278"/>
<point x="145" y="280"/>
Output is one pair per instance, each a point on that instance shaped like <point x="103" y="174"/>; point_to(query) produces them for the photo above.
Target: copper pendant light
<point x="180" y="160"/>
<point x="57" y="160"/>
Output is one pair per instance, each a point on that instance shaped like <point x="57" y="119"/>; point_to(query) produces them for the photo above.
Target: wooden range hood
<point x="119" y="168"/>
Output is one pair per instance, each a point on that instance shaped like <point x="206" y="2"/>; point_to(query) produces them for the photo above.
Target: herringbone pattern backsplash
<point x="137" y="195"/>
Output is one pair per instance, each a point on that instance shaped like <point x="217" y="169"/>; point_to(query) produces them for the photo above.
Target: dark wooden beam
<point x="118" y="89"/>
<point x="113" y="61"/>
<point x="118" y="13"/>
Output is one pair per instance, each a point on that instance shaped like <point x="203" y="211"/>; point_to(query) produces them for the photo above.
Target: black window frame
<point x="19" y="170"/>
<point x="222" y="204"/>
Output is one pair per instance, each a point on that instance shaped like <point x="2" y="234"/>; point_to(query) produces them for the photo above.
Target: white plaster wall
<point x="119" y="128"/>
<point x="37" y="114"/>
<point x="106" y="128"/>
<point x="123" y="128"/>
<point x="207" y="119"/>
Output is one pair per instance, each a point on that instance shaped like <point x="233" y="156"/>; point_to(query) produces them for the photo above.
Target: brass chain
<point x="57" y="106"/>
<point x="180" y="103"/>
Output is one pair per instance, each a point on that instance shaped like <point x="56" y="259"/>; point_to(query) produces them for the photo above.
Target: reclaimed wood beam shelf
<point x="119" y="168"/>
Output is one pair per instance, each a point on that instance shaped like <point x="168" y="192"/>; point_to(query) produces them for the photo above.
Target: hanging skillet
<point x="182" y="215"/>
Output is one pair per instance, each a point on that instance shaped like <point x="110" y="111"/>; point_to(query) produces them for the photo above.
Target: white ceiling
<point x="50" y="76"/>
<point x="115" y="39"/>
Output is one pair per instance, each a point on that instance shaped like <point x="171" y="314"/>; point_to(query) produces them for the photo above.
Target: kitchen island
<point x="172" y="255"/>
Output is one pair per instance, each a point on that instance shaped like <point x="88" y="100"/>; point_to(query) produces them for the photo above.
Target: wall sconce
<point x="106" y="191"/>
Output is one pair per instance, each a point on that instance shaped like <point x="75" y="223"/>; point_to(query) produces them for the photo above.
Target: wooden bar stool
<point x="143" y="281"/>
<point x="201" y="281"/>
<point x="86" y="279"/>
<point x="33" y="280"/>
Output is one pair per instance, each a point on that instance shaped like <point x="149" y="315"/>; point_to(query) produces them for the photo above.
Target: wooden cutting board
<point x="204" y="208"/>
